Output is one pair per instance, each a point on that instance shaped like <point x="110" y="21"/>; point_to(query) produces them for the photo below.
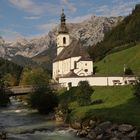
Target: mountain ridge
<point x="89" y="32"/>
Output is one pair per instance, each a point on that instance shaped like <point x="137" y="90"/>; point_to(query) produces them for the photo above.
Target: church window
<point x="86" y="70"/>
<point x="64" y="40"/>
<point x="75" y="64"/>
<point x="85" y="64"/>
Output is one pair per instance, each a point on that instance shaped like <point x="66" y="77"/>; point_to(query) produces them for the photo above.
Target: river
<point x="21" y="123"/>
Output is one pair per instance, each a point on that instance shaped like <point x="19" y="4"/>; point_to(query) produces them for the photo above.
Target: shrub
<point x="128" y="71"/>
<point x="4" y="98"/>
<point x="84" y="92"/>
<point x="43" y="99"/>
<point x="137" y="89"/>
<point x="99" y="101"/>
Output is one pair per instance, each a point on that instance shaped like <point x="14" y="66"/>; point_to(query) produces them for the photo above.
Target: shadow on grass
<point x="128" y="112"/>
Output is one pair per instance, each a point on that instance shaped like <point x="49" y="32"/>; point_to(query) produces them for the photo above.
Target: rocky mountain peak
<point x="89" y="31"/>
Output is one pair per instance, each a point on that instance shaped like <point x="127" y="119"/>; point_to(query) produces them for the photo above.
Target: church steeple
<point x="63" y="38"/>
<point x="63" y="28"/>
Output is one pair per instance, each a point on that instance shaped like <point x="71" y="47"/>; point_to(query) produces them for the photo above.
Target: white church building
<point x="73" y="64"/>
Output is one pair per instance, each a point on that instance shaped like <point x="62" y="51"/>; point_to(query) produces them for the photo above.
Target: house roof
<point x="75" y="49"/>
<point x="71" y="74"/>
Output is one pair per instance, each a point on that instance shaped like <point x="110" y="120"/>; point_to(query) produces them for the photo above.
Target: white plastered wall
<point x="84" y="68"/>
<point x="60" y="43"/>
<point x="96" y="81"/>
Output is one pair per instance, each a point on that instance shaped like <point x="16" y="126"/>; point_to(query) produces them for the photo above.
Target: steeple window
<point x="64" y="40"/>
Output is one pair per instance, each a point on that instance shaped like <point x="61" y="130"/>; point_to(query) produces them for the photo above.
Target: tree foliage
<point x="137" y="89"/>
<point x="128" y="71"/>
<point x="127" y="32"/>
<point x="43" y="99"/>
<point x="35" y="76"/>
<point x="4" y="98"/>
<point x="10" y="69"/>
<point x="83" y="93"/>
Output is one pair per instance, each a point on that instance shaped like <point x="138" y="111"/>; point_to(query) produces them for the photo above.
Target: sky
<point x="33" y="18"/>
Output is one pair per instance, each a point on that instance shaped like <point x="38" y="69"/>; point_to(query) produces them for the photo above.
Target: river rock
<point x="126" y="138"/>
<point x="91" y="134"/>
<point x="133" y="134"/>
<point x="59" y="116"/>
<point x="105" y="125"/>
<point x="99" y="137"/>
<point x="99" y="131"/>
<point x="114" y="138"/>
<point x="92" y="124"/>
<point x="82" y="133"/>
<point x="124" y="128"/>
<point x="85" y="124"/>
<point x="76" y="125"/>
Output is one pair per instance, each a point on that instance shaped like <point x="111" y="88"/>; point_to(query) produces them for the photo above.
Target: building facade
<point x="73" y="64"/>
<point x="72" y="59"/>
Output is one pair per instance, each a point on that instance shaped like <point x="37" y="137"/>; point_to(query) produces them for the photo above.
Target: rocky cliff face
<point x="89" y="32"/>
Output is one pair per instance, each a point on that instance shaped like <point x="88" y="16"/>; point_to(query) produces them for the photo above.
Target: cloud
<point x="35" y="8"/>
<point x="32" y="17"/>
<point x="38" y="8"/>
<point x="118" y="7"/>
<point x="47" y="27"/>
<point x="9" y="34"/>
<point x="28" y="6"/>
<point x="70" y="6"/>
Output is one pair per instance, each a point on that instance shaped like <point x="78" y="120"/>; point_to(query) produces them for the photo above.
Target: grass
<point x="119" y="105"/>
<point x="114" y="63"/>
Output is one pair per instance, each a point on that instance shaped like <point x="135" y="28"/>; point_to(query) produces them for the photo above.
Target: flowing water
<point x="20" y="123"/>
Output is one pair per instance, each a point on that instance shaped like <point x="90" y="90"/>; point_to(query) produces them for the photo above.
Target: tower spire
<point x="63" y="28"/>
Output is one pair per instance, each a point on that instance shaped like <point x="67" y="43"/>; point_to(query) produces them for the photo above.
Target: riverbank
<point x="119" y="106"/>
<point x="108" y="131"/>
<point x="20" y="123"/>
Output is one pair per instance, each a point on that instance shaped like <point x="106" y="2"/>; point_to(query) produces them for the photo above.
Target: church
<point x="73" y="64"/>
<point x="71" y="59"/>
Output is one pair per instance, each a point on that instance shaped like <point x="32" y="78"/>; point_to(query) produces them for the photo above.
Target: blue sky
<point x="31" y="18"/>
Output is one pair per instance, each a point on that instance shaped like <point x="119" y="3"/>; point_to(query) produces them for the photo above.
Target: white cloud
<point x="70" y="6"/>
<point x="38" y="8"/>
<point x="47" y="27"/>
<point x="119" y="7"/>
<point x="35" y="8"/>
<point x="32" y="17"/>
<point x="28" y="6"/>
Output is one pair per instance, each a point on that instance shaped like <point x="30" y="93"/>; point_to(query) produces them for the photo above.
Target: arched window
<point x="64" y="40"/>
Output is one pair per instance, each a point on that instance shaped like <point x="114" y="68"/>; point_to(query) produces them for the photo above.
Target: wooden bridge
<point x="26" y="89"/>
<point x="20" y="90"/>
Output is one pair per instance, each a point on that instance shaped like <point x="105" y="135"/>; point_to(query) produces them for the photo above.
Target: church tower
<point x="63" y="38"/>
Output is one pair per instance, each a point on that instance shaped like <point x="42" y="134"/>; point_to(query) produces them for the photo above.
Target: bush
<point x="137" y="89"/>
<point x="84" y="92"/>
<point x="43" y="99"/>
<point x="128" y="71"/>
<point x="99" y="101"/>
<point x="4" y="98"/>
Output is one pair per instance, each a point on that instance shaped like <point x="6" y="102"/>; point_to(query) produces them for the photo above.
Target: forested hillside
<point x="10" y="71"/>
<point x="124" y="35"/>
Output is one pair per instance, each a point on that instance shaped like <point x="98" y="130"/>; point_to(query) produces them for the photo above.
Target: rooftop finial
<point x="62" y="10"/>
<point x="63" y="28"/>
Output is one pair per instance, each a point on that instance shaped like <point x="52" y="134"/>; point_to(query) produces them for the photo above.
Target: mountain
<point x="89" y="32"/>
<point x="126" y="34"/>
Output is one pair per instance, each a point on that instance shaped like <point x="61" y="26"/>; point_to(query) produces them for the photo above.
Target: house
<point x="71" y="59"/>
<point x="73" y="64"/>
